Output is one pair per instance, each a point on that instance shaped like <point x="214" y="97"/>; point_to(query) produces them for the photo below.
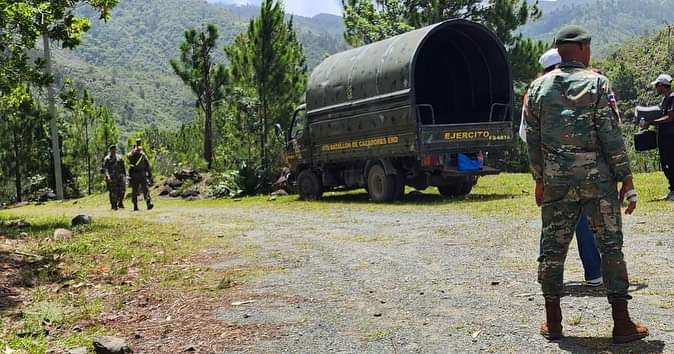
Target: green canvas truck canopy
<point x="454" y="72"/>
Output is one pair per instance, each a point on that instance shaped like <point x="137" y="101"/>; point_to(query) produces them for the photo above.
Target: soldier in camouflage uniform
<point x="140" y="175"/>
<point x="578" y="157"/>
<point x="115" y="177"/>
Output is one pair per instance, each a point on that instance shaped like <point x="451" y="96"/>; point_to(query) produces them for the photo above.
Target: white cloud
<point x="313" y="7"/>
<point x="306" y="8"/>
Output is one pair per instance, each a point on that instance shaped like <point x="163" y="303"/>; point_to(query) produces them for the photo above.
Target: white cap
<point x="550" y="58"/>
<point x="663" y="79"/>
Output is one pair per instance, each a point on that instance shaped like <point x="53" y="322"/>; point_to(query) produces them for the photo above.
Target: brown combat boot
<point x="624" y="330"/>
<point x="552" y="328"/>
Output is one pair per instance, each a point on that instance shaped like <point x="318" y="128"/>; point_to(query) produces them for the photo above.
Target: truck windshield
<point x="299" y="123"/>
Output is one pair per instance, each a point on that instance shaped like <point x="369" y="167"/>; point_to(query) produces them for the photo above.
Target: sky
<point x="307" y="8"/>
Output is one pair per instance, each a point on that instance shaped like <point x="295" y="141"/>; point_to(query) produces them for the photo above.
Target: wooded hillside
<point x="125" y="62"/>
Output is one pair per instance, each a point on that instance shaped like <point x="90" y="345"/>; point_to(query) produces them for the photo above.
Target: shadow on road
<point x="605" y="345"/>
<point x="418" y="198"/>
<point x="580" y="289"/>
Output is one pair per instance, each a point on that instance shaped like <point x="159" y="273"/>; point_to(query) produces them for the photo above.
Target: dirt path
<point x="351" y="278"/>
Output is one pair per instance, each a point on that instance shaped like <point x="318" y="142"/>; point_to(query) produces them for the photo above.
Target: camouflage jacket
<point x="114" y="168"/>
<point x="573" y="132"/>
<point x="139" y="165"/>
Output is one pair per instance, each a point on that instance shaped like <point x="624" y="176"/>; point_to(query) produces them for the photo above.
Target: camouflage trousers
<point x="140" y="185"/>
<point x="561" y="208"/>
<point x="116" y="191"/>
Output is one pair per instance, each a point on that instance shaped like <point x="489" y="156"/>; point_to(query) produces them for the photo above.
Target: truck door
<point x="297" y="152"/>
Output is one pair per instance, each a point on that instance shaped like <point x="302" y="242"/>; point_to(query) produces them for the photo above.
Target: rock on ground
<point x="80" y="350"/>
<point x="111" y="345"/>
<point x="62" y="234"/>
<point x="81" y="220"/>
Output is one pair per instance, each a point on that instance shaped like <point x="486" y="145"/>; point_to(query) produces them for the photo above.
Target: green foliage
<point x="206" y="79"/>
<point x="89" y="129"/>
<point x="227" y="185"/>
<point x="175" y="150"/>
<point x="124" y="62"/>
<point x="268" y="63"/>
<point x="631" y="69"/>
<point x="611" y="22"/>
<point x="23" y="141"/>
<point x="368" y="21"/>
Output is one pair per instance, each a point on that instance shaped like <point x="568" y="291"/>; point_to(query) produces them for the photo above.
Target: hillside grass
<point x="70" y="282"/>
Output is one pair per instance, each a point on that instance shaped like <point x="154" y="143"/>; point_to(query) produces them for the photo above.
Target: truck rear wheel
<point x="458" y="189"/>
<point x="309" y="185"/>
<point x="382" y="187"/>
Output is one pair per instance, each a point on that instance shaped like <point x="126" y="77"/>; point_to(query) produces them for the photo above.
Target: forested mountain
<point x="125" y="62"/>
<point x="610" y="21"/>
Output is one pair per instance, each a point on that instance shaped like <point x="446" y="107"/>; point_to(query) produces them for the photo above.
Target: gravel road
<point x="360" y="278"/>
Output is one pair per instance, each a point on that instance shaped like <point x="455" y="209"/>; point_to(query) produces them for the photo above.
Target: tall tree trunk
<point x="17" y="166"/>
<point x="86" y="152"/>
<point x="53" y="123"/>
<point x="208" y="109"/>
<point x="208" y="136"/>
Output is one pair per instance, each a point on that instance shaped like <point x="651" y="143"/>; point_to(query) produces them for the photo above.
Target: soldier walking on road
<point x="140" y="175"/>
<point x="115" y="177"/>
<point x="578" y="157"/>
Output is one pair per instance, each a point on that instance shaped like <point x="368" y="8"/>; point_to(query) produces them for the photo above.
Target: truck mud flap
<point x="455" y="138"/>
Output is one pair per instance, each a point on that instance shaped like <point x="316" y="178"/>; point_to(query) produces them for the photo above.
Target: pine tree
<point x="197" y="69"/>
<point x="269" y="61"/>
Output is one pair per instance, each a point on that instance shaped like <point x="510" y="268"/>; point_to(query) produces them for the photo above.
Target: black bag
<point x="646" y="140"/>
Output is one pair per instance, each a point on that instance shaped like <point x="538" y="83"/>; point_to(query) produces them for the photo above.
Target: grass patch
<point x="70" y="282"/>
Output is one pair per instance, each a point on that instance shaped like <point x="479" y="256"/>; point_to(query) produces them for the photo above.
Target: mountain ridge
<point x="124" y="62"/>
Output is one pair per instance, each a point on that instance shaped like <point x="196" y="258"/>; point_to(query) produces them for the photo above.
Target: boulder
<point x="174" y="194"/>
<point x="111" y="345"/>
<point x="62" y="234"/>
<point x="173" y="182"/>
<point x="164" y="190"/>
<point x="279" y="193"/>
<point x="80" y="350"/>
<point x="81" y="220"/>
<point x="188" y="174"/>
<point x="190" y="193"/>
<point x="47" y="196"/>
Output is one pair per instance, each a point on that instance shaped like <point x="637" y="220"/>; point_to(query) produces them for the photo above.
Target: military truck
<point x="402" y="111"/>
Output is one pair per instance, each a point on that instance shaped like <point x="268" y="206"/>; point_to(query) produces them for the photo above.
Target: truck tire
<point x="382" y="187"/>
<point x="309" y="185"/>
<point x="458" y="189"/>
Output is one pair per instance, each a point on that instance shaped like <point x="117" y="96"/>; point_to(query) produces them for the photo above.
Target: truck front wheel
<point x="382" y="187"/>
<point x="309" y="185"/>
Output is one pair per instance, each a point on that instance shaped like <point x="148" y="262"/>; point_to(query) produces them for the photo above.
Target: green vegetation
<point x="76" y="281"/>
<point x="268" y="65"/>
<point x="610" y="21"/>
<point x="205" y="77"/>
<point x="71" y="281"/>
<point x="368" y="22"/>
<point x="124" y="62"/>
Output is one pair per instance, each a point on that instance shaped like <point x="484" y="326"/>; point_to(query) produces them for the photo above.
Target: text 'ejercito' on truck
<point x="420" y="109"/>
